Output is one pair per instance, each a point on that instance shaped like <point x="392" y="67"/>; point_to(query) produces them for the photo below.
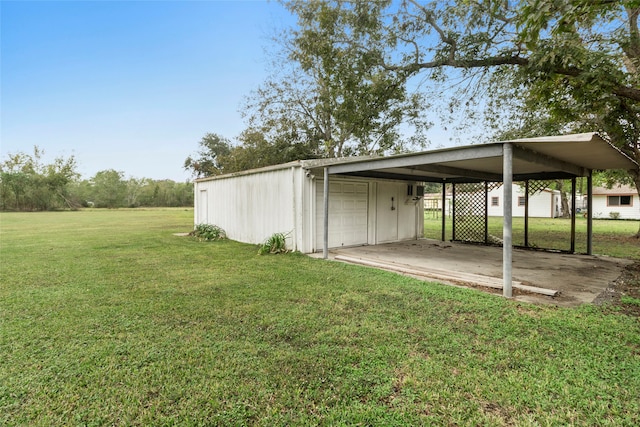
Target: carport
<point x="501" y="163"/>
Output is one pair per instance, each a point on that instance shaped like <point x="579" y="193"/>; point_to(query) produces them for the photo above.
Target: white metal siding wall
<point x="541" y="205"/>
<point x="250" y="208"/>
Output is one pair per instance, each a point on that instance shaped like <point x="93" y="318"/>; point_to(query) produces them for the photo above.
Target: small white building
<point x="543" y="204"/>
<point x="433" y="202"/>
<point x="617" y="202"/>
<point x="288" y="198"/>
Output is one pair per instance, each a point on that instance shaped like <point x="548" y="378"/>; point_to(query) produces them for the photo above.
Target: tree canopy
<point x="531" y="67"/>
<point x="218" y="155"/>
<point x="575" y="60"/>
<point x="211" y="156"/>
<point x="332" y="96"/>
<point x="27" y="183"/>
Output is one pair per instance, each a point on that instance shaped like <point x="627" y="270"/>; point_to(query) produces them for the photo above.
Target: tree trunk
<point x="635" y="175"/>
<point x="563" y="199"/>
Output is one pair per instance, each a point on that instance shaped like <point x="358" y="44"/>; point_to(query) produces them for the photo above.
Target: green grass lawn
<point x="613" y="238"/>
<point x="106" y="318"/>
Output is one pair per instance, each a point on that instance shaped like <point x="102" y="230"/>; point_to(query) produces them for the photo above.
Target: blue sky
<point x="131" y="86"/>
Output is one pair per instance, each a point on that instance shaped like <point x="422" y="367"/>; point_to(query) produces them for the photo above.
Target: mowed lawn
<point x="107" y="318"/>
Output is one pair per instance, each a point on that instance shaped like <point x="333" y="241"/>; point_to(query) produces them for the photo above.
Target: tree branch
<point x="622" y="91"/>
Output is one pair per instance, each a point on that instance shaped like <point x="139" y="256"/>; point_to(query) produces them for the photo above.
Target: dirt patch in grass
<point x="624" y="293"/>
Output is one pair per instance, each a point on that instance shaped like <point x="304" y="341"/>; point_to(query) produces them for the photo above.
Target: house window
<point x="495" y="201"/>
<point x="521" y="200"/>
<point x="619" y="200"/>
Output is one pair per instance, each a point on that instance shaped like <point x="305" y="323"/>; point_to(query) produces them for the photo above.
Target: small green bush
<point x="276" y="244"/>
<point x="208" y="232"/>
<point x="614" y="215"/>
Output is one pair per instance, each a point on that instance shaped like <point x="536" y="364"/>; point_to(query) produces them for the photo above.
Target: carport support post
<point x="453" y="211"/>
<point x="325" y="216"/>
<point x="589" y="214"/>
<point x="507" y="228"/>
<point x="444" y="208"/>
<point x="526" y="213"/>
<point x="486" y="213"/>
<point x="573" y="215"/>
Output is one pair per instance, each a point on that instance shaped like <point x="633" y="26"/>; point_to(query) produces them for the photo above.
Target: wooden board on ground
<point x="444" y="275"/>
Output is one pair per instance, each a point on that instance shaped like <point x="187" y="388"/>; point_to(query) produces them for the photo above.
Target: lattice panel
<point x="469" y="212"/>
<point x="493" y="185"/>
<point x="537" y="186"/>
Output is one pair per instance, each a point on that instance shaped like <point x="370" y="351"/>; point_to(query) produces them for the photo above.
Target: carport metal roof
<point x="553" y="157"/>
<point x="543" y="158"/>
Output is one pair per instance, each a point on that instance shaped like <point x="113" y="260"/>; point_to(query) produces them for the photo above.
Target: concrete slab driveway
<point x="579" y="278"/>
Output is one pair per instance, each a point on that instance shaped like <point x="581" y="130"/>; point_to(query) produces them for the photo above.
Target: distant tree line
<point x="27" y="183"/>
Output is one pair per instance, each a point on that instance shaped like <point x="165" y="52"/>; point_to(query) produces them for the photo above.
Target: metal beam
<point x="422" y="178"/>
<point x="459" y="172"/>
<point x="453" y="211"/>
<point x="486" y="213"/>
<point x="407" y="177"/>
<point x="526" y="214"/>
<point x="325" y="216"/>
<point x="542" y="176"/>
<point x="573" y="215"/>
<point x="444" y="208"/>
<point x="426" y="158"/>
<point x="507" y="228"/>
<point x="551" y="162"/>
<point x="589" y="214"/>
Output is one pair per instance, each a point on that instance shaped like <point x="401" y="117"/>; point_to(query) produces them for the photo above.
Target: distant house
<point x="543" y="204"/>
<point x="433" y="202"/>
<point x="617" y="202"/>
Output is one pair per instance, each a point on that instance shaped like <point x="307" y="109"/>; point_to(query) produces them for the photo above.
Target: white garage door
<point x="348" y="207"/>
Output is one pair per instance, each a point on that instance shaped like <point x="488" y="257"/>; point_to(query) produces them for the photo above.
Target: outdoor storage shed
<point x="288" y="198"/>
<point x="544" y="203"/>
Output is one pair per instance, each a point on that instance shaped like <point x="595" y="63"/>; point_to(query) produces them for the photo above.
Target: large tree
<point x="563" y="65"/>
<point x="109" y="189"/>
<point x="209" y="159"/>
<point x="254" y="150"/>
<point x="218" y="155"/>
<point x="330" y="94"/>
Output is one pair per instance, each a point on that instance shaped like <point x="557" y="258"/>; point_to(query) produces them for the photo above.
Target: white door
<point x="387" y="212"/>
<point x="203" y="207"/>
<point x="348" y="212"/>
